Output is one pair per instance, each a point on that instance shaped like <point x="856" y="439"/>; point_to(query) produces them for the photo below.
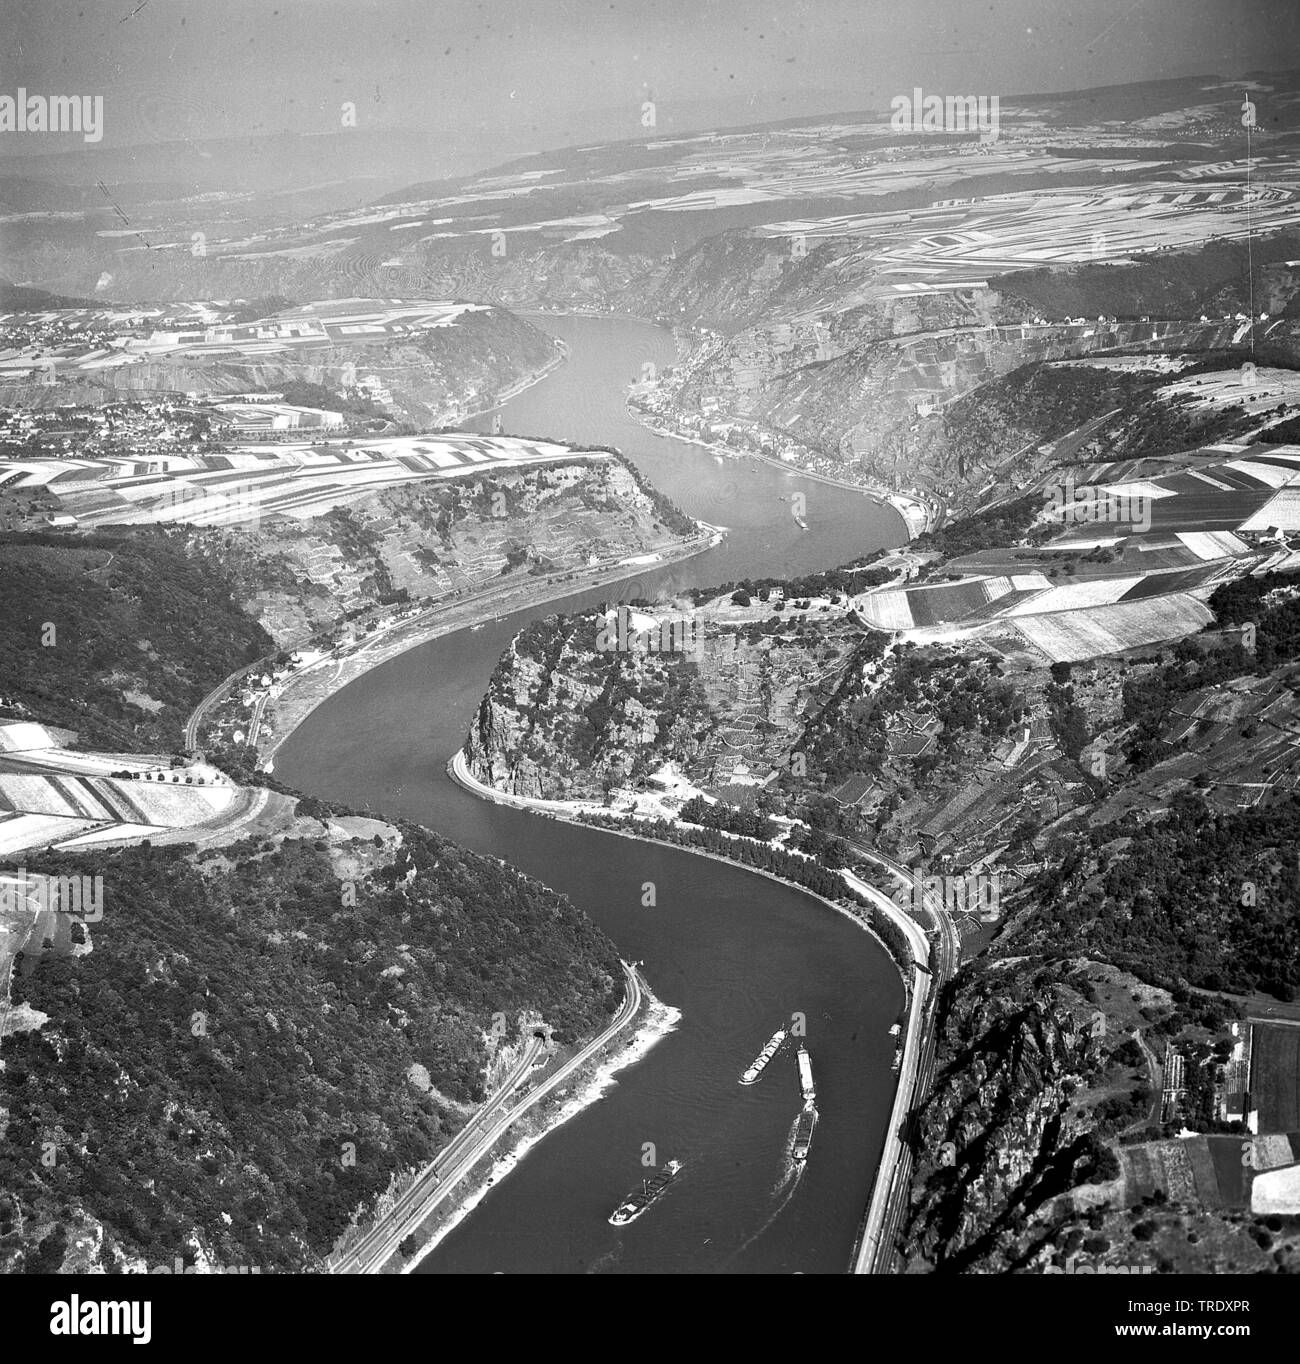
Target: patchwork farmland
<point x="52" y="795"/>
<point x="252" y="482"/>
<point x="197" y="332"/>
<point x="1205" y="518"/>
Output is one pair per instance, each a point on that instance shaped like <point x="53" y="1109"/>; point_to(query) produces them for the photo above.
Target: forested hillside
<point x="117" y="636"/>
<point x="246" y="1014"/>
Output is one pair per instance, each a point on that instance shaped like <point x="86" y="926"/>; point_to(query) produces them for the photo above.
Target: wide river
<point x="735" y="952"/>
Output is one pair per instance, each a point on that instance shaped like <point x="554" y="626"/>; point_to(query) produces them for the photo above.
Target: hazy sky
<point x="527" y="74"/>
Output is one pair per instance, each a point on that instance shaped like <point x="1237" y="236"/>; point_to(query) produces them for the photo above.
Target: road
<point x="217" y="692"/>
<point x="454" y="611"/>
<point x="436" y="1182"/>
<point x="889" y="1194"/>
<point x="894" y="1168"/>
<point x="949" y="958"/>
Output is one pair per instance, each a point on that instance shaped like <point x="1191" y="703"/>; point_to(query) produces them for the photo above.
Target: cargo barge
<point x="803" y="1131"/>
<point x="806" y="1076"/>
<point x="636" y="1203"/>
<point x="760" y="1061"/>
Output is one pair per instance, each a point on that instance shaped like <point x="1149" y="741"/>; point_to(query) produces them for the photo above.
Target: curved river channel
<point x="734" y="952"/>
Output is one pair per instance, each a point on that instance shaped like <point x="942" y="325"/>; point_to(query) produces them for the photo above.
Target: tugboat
<point x="637" y="1202"/>
<point x="760" y="1061"/>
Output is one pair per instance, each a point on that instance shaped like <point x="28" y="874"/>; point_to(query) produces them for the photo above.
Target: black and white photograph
<point x="650" y="638"/>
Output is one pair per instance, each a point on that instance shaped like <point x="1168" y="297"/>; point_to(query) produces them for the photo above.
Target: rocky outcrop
<point x="562" y="720"/>
<point x="998" y="1136"/>
<point x="436" y="538"/>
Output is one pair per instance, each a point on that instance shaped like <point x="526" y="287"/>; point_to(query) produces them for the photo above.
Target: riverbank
<point x="916" y="517"/>
<point x="750" y="948"/>
<point x="915" y="512"/>
<point x="520" y="385"/>
<point x="891" y="1163"/>
<point x="571" y="812"/>
<point x="656" y="1021"/>
<point x="310" y="687"/>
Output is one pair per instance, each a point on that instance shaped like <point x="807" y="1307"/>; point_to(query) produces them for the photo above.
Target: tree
<point x="408" y="1247"/>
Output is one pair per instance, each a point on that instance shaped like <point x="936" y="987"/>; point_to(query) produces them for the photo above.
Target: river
<point x="736" y="953"/>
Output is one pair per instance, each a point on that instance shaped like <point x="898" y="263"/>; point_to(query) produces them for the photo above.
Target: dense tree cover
<point x="848" y="579"/>
<point x="1162" y="426"/>
<point x="1151" y="696"/>
<point x="1213" y="900"/>
<point x="1037" y="401"/>
<point x="303" y="393"/>
<point x="240" y="1019"/>
<point x="729" y="818"/>
<point x="1277" y="623"/>
<point x="829" y="849"/>
<point x="1117" y="413"/>
<point x="964" y="695"/>
<point x="131" y="613"/>
<point x="749" y="852"/>
<point x="846" y="738"/>
<point x="1213" y="278"/>
<point x="1000" y="525"/>
<point x="1284" y="433"/>
<point x="1069" y="722"/>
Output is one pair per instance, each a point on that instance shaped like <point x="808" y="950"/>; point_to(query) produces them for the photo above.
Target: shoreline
<point x="521" y="385"/>
<point x="882" y="498"/>
<point x="916" y="993"/>
<point x="656" y="1021"/>
<point x="458" y="770"/>
<point x="447" y="618"/>
<point x="878" y="495"/>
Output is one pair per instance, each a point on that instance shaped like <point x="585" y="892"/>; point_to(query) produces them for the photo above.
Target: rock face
<point x="997" y="1137"/>
<point x="562" y="721"/>
<point x="853" y="400"/>
<point x="570" y="714"/>
<point x="432" y="539"/>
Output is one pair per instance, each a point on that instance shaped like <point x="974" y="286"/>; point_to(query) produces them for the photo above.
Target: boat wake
<point x="785" y="1188"/>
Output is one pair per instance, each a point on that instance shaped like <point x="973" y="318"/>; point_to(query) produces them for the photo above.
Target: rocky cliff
<point x="433" y="539"/>
<point x="1001" y="1132"/>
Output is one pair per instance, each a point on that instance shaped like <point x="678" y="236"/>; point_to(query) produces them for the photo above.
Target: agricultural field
<point x="1126" y="568"/>
<point x="50" y="795"/>
<point x="1275" y="1076"/>
<point x="255" y="481"/>
<point x="1071" y="636"/>
<point x="1209" y="1171"/>
<point x="200" y="332"/>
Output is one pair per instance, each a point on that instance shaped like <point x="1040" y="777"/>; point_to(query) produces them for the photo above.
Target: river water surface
<point x="735" y="952"/>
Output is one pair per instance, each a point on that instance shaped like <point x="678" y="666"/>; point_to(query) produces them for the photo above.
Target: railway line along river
<point x="735" y="952"/>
